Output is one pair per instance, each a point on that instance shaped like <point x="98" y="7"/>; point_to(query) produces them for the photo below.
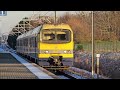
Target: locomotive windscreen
<point x="56" y="35"/>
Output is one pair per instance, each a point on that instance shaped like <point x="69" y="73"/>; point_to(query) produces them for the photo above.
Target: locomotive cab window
<point x="48" y="36"/>
<point x="63" y="36"/>
<point x="56" y="35"/>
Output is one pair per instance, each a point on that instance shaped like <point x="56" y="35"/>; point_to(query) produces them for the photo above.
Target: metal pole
<point x="92" y="44"/>
<point x="55" y="17"/>
<point x="98" y="64"/>
<point x="97" y="67"/>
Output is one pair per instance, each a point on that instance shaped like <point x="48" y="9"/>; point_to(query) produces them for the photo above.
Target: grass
<point x="102" y="46"/>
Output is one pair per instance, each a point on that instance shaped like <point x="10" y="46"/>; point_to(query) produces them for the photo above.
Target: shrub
<point x="79" y="47"/>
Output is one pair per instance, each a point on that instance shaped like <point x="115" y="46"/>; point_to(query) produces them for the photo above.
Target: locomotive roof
<point x="61" y="26"/>
<point x="31" y="32"/>
<point x="45" y="26"/>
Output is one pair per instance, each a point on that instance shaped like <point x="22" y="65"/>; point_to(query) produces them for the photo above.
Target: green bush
<point x="79" y="47"/>
<point x="98" y="41"/>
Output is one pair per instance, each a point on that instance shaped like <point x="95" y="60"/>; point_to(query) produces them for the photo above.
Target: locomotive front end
<point x="56" y="46"/>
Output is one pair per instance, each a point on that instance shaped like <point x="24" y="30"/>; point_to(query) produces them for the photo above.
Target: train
<point x="50" y="45"/>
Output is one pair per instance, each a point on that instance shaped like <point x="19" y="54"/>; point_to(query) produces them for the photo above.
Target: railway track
<point x="66" y="74"/>
<point x="76" y="73"/>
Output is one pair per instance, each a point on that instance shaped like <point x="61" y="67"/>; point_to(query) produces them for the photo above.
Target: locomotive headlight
<point x="65" y="51"/>
<point x="46" y="51"/>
